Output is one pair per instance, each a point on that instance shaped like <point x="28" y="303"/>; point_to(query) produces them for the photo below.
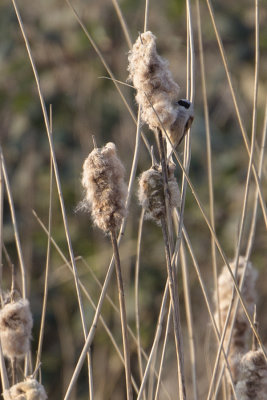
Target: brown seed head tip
<point x="105" y="188"/>
<point x="29" y="389"/>
<point x="252" y="382"/>
<point x="241" y="331"/>
<point x="15" y="328"/>
<point x="151" y="192"/>
<point x="156" y="90"/>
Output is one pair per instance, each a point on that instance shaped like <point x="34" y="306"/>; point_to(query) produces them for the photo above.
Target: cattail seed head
<point x="239" y="341"/>
<point x="252" y="382"/>
<point x="151" y="192"/>
<point x="105" y="188"/>
<point x="154" y="83"/>
<point x="15" y="328"/>
<point x="29" y="389"/>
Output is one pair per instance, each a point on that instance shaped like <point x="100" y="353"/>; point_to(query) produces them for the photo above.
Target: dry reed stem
<point x="176" y="316"/>
<point x="163" y="351"/>
<point x="136" y="291"/>
<point x="105" y="193"/>
<point x="199" y="203"/>
<point x="123" y="23"/>
<point x="245" y="202"/>
<point x="15" y="226"/>
<point x="111" y="266"/>
<point x="219" y="248"/>
<point x="98" y="52"/>
<point x="171" y="274"/>
<point x="155" y="340"/>
<point x="1" y="226"/>
<point x="251" y="235"/>
<point x="241" y="124"/>
<point x="189" y="318"/>
<point x="204" y="291"/>
<point x="253" y="223"/>
<point x="4" y="377"/>
<point x="126" y="348"/>
<point x="209" y="156"/>
<point x="189" y="182"/>
<point x="85" y="291"/>
<point x="55" y="167"/>
<point x="239" y="325"/>
<point x="185" y="174"/>
<point x="45" y="295"/>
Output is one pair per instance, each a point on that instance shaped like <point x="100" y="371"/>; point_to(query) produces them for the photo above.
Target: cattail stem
<point x="163" y="352"/>
<point x="176" y="315"/>
<point x="4" y="378"/>
<point x="126" y="348"/>
<point x="136" y="287"/>
<point x="171" y="275"/>
<point x="1" y="227"/>
<point x="254" y="345"/>
<point x="14" y="372"/>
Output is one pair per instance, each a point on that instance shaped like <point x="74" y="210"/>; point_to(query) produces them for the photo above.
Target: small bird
<point x="183" y="121"/>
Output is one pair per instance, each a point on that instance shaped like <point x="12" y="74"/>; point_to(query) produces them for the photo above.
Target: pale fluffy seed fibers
<point x="105" y="188"/>
<point x="29" y="389"/>
<point x="15" y="328"/>
<point x="151" y="192"/>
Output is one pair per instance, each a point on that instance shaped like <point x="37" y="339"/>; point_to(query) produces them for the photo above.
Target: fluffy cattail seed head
<point x="239" y="341"/>
<point x="151" y="192"/>
<point x="29" y="389"/>
<point x="252" y="382"/>
<point x="105" y="189"/>
<point x="15" y="328"/>
<point x="154" y="83"/>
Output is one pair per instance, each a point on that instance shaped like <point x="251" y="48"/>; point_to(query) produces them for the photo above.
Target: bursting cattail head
<point x="29" y="389"/>
<point x="241" y="331"/>
<point x="15" y="328"/>
<point x="252" y="382"/>
<point x="151" y="192"/>
<point x="154" y="83"/>
<point x="105" y="188"/>
<point x="157" y="93"/>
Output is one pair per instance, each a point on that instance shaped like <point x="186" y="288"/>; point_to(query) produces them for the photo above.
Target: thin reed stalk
<point x="204" y="291"/>
<point x="1" y="228"/>
<point x="123" y="23"/>
<point x="189" y="318"/>
<point x="48" y="252"/>
<point x="111" y="265"/>
<point x="240" y="121"/>
<point x="155" y="340"/>
<point x="55" y="168"/>
<point x="167" y="329"/>
<point x="98" y="52"/>
<point x="171" y="276"/>
<point x="15" y="227"/>
<point x="126" y="348"/>
<point x="136" y="291"/>
<point x="245" y="202"/>
<point x="4" y="377"/>
<point x="250" y="240"/>
<point x="87" y="295"/>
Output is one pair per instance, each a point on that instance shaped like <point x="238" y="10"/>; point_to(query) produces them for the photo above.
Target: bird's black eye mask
<point x="184" y="103"/>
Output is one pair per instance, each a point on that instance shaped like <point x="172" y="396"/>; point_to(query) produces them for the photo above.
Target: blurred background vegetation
<point x="83" y="104"/>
